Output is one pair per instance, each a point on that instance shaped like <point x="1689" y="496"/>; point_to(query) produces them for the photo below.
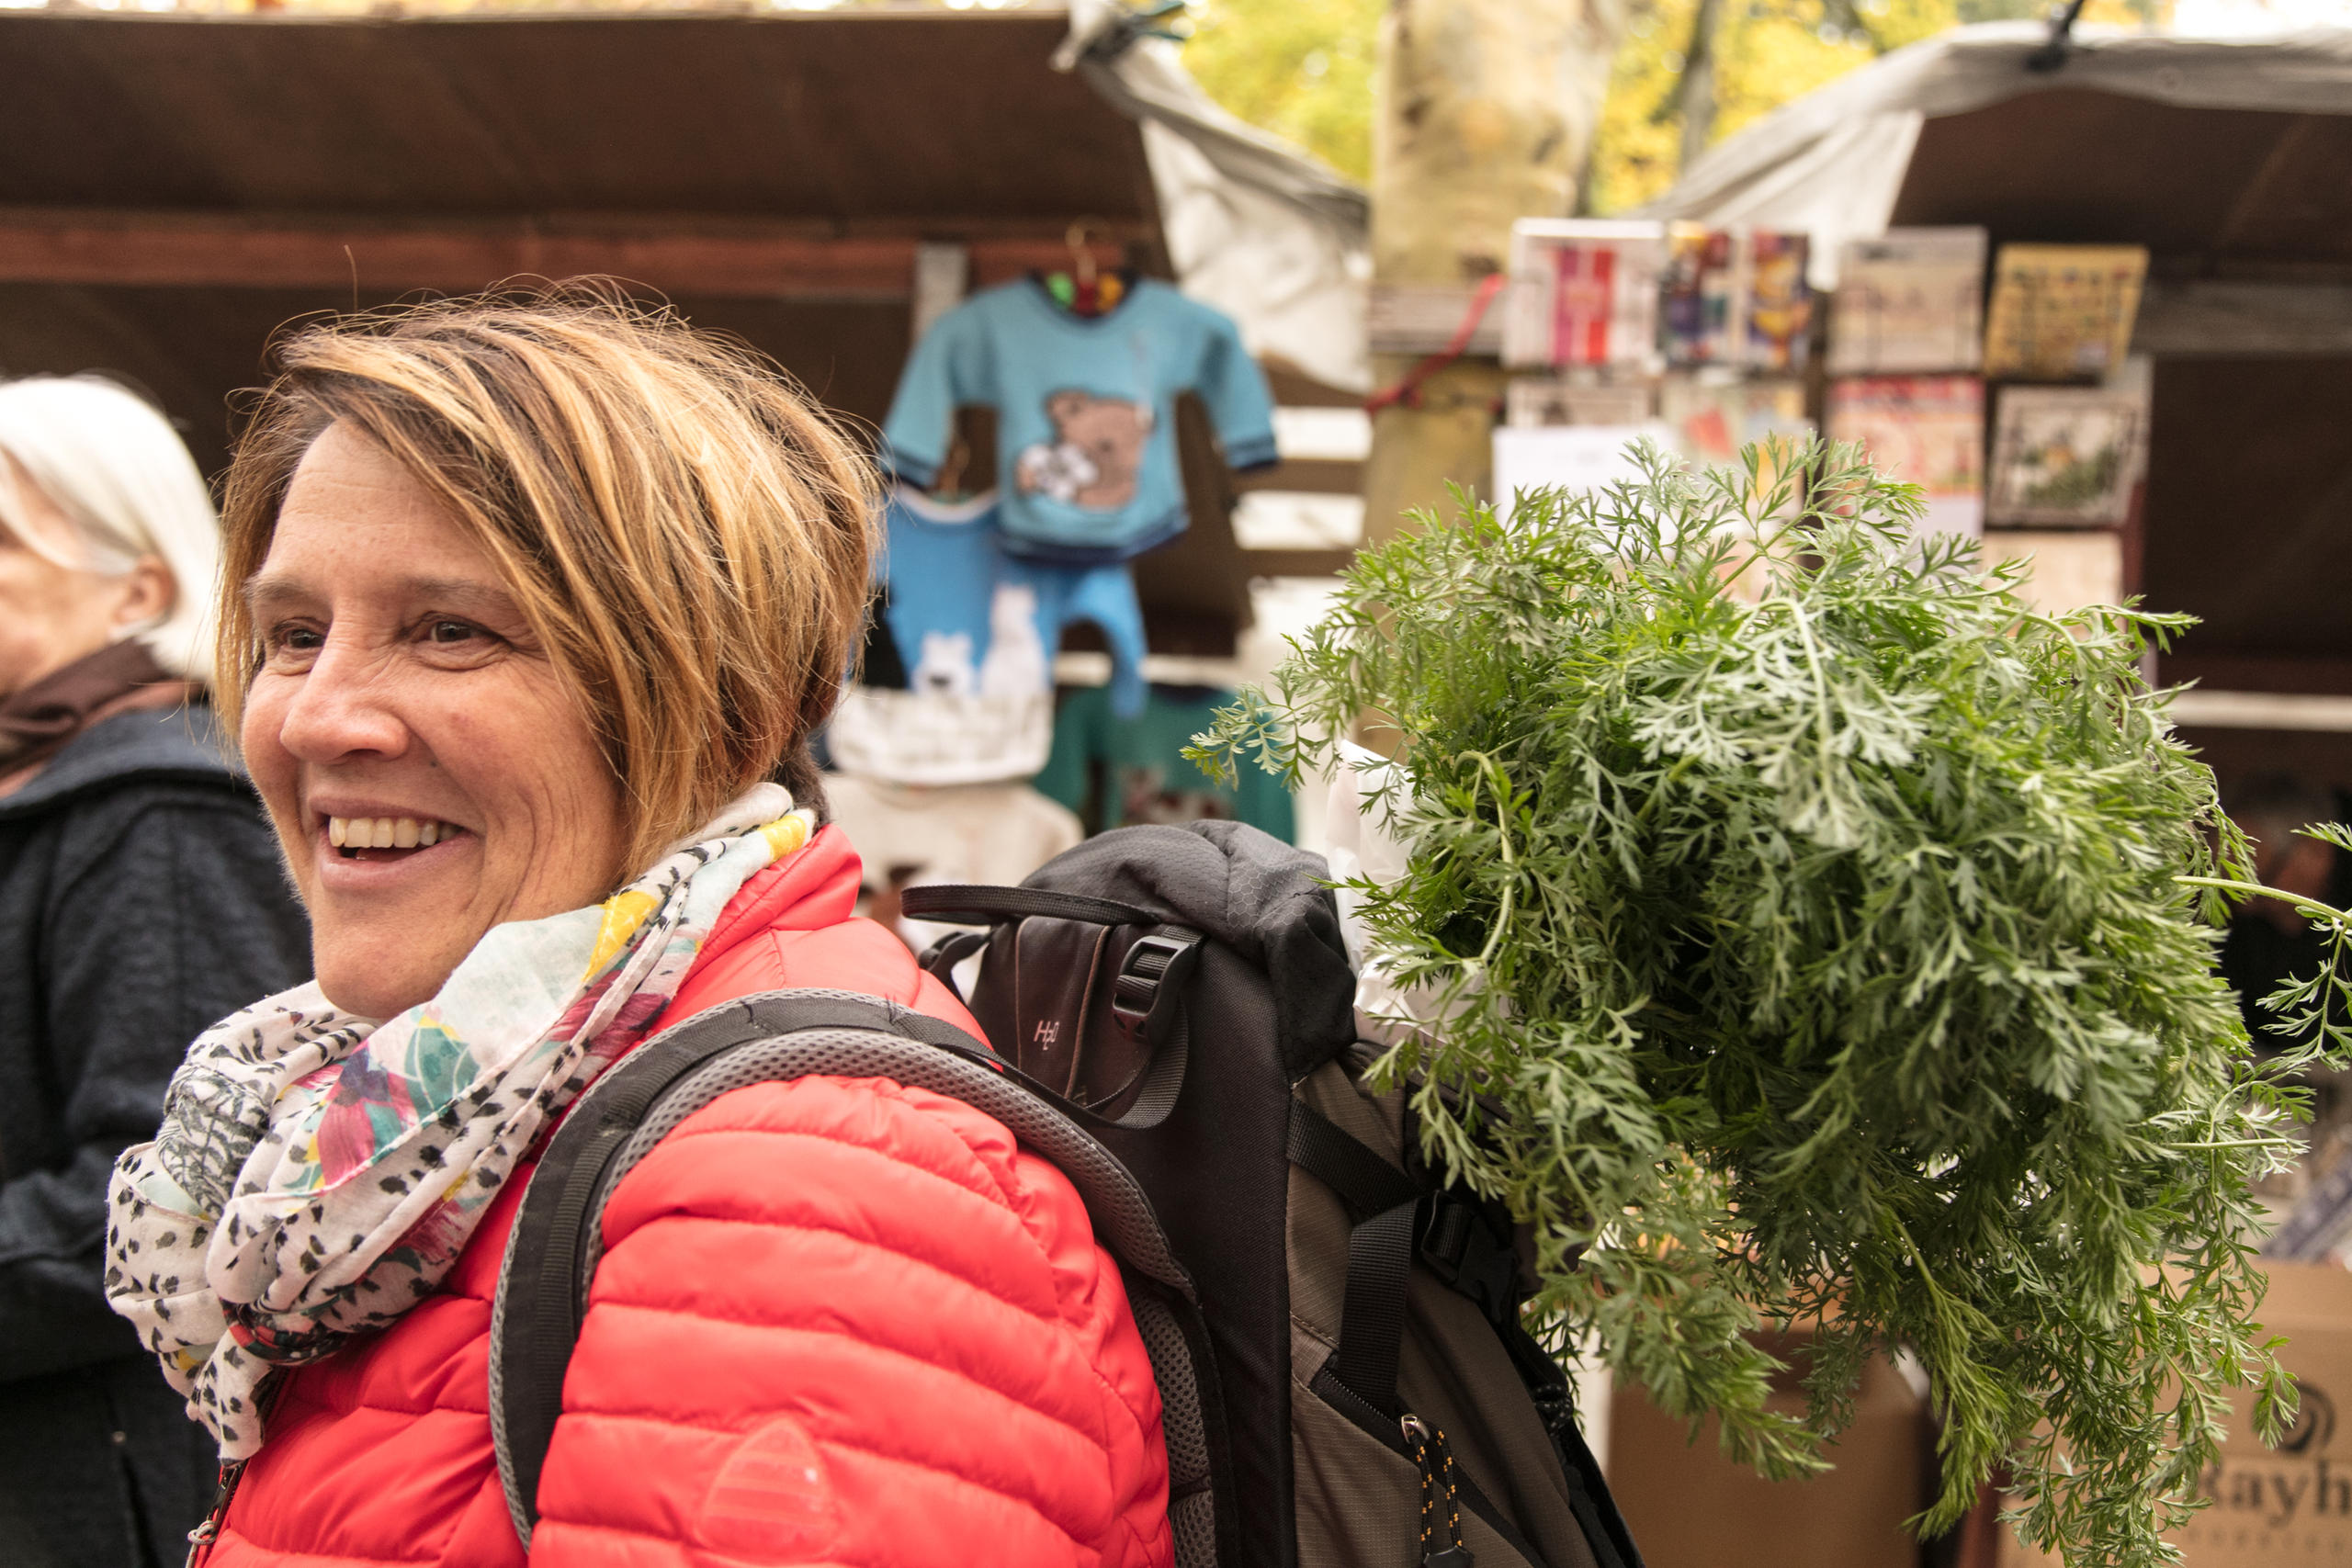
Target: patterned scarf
<point x="317" y="1174"/>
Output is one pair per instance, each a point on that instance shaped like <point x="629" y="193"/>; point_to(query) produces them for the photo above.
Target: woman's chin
<point x="371" y="998"/>
<point x="364" y="992"/>
<point x="379" y="969"/>
<point x="388" y="926"/>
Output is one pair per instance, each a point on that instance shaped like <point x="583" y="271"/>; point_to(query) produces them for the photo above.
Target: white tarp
<point x="1256" y="228"/>
<point x="1832" y="163"/>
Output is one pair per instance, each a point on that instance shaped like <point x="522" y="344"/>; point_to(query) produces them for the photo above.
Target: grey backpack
<point x="1336" y="1333"/>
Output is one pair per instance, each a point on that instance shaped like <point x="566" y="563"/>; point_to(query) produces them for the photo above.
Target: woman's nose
<point x="343" y="706"/>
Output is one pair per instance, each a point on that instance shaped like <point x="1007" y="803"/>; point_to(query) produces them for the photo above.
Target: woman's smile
<point x="362" y="849"/>
<point x="430" y="773"/>
<point x="354" y="834"/>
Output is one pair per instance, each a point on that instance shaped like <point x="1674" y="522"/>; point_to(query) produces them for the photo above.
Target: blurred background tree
<point x="1303" y="69"/>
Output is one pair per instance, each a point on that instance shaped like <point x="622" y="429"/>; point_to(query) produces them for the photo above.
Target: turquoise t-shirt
<point x="1086" y="426"/>
<point x="1116" y="773"/>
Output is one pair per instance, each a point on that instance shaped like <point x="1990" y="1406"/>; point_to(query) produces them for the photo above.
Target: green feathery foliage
<point x="1825" y="959"/>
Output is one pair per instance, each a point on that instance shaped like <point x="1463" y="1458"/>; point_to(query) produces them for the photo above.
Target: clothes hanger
<point x="1085" y="290"/>
<point x="949" y="485"/>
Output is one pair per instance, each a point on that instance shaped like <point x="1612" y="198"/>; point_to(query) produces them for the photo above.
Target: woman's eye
<point x="294" y="639"/>
<point x="451" y="632"/>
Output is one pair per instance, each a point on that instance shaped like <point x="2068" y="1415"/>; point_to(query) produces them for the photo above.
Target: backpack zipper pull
<point x="200" y="1539"/>
<point x="1440" y="1509"/>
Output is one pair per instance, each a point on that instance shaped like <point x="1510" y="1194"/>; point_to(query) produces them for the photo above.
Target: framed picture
<point x="2065" y="455"/>
<point x="1583" y="291"/>
<point x="2061" y="311"/>
<point x="1534" y="401"/>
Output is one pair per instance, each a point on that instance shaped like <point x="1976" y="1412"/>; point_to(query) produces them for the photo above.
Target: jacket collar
<point x="806" y="891"/>
<point x="181" y="744"/>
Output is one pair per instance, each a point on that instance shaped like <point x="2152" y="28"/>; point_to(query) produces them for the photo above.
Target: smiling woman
<point x="530" y="608"/>
<point x="685" y="571"/>
<point x="429" y="768"/>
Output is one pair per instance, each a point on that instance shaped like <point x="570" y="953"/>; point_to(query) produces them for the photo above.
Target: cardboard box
<point x="2288" y="1507"/>
<point x="1689" y="1507"/>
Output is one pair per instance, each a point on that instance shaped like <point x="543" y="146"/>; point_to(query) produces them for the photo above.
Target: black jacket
<point x="142" y="898"/>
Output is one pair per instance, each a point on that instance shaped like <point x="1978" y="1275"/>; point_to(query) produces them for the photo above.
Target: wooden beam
<point x="685" y="257"/>
<point x="2199" y="708"/>
<point x="1298" y="563"/>
<point x="2301" y="674"/>
<point x="2242" y="321"/>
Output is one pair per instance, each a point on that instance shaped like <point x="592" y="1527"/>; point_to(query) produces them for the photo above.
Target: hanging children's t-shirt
<point x="1119" y="772"/>
<point x="958" y="678"/>
<point x="1086" y="429"/>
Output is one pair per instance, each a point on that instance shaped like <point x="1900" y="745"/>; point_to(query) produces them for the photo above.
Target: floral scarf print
<point x="317" y="1174"/>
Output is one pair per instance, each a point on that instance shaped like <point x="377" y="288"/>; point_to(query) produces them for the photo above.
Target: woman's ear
<point x="143" y="596"/>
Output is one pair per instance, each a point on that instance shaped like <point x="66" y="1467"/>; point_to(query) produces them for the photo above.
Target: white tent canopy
<point x="1834" y="162"/>
<point x="1254" y="226"/>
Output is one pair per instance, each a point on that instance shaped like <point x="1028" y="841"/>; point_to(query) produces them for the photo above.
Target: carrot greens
<point x="1817" y="923"/>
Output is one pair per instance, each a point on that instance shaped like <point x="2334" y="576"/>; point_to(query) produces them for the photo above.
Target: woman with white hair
<point x="140" y="900"/>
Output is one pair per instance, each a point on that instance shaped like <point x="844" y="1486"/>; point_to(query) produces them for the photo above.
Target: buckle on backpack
<point x="1461" y="1248"/>
<point x="1151" y="978"/>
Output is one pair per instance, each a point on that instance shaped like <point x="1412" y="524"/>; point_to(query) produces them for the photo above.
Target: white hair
<point x="113" y="465"/>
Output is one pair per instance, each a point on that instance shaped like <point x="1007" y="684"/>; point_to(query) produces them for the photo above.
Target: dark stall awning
<point x="774" y="154"/>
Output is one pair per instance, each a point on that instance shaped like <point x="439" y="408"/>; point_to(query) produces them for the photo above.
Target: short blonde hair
<point x="115" y="467"/>
<point x="686" y="533"/>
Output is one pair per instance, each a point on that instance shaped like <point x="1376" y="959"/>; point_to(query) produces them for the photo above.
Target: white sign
<point x="1571" y="458"/>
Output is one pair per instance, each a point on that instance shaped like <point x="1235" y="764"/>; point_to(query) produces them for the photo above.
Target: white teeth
<point x="386" y="832"/>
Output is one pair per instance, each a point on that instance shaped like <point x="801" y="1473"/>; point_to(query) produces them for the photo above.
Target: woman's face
<point x="404" y="705"/>
<point x="51" y="614"/>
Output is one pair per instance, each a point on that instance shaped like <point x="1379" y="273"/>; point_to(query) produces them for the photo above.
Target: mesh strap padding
<point x="1179" y="1394"/>
<point x="1193" y="1521"/>
<point x="783" y="1035"/>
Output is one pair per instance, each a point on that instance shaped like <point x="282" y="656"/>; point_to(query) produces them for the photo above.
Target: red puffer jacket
<point x="837" y="1321"/>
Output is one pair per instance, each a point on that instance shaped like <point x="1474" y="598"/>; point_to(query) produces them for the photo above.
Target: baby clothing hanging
<point x="1086" y="437"/>
<point x="1116" y="770"/>
<point x="957" y="683"/>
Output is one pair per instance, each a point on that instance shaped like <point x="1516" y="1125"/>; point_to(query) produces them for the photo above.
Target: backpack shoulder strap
<point x="556" y="1242"/>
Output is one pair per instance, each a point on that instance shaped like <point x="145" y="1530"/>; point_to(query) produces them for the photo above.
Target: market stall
<point x="828" y="185"/>
<point x="176" y="186"/>
<point x="2223" y="161"/>
<point x="2094" y="295"/>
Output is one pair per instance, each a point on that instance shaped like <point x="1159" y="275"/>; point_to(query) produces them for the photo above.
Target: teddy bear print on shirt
<point x="1096" y="457"/>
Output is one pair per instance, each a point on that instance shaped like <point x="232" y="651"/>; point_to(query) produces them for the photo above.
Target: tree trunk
<point x="1486" y="110"/>
<point x="1698" y="88"/>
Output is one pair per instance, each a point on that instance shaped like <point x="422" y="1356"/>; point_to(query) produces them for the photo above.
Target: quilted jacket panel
<point x="838" y="1322"/>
